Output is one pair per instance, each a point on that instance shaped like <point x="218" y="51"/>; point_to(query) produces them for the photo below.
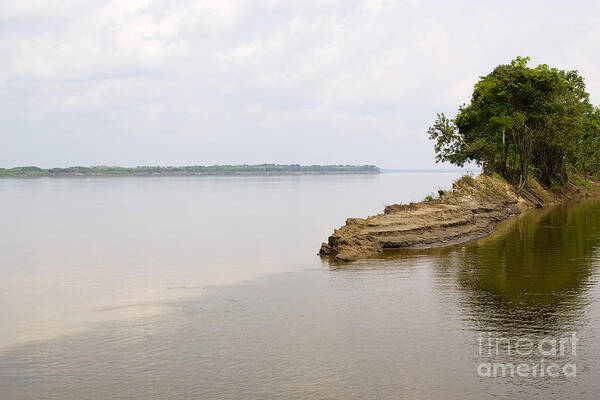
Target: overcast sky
<point x="174" y="82"/>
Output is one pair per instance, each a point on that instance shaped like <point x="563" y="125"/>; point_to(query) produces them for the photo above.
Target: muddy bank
<point x="471" y="210"/>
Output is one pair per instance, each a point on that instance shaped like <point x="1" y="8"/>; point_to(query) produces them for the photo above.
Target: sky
<point x="200" y="82"/>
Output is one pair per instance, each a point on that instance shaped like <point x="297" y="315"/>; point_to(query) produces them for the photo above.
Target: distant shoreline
<point x="195" y="170"/>
<point x="430" y="170"/>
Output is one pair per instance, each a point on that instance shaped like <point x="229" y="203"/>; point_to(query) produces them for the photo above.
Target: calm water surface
<point x="204" y="288"/>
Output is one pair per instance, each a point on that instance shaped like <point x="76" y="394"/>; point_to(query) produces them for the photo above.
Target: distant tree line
<point x="523" y="120"/>
<point x="261" y="169"/>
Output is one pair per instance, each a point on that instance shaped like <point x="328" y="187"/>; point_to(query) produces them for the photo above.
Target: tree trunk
<point x="505" y="157"/>
<point x="523" y="178"/>
<point x="522" y="149"/>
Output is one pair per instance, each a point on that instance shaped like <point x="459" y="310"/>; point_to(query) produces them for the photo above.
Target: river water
<point x="207" y="288"/>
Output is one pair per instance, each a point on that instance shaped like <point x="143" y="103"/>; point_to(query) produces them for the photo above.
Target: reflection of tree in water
<point x="532" y="275"/>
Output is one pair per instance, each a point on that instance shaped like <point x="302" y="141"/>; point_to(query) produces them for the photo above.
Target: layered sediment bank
<point x="471" y="210"/>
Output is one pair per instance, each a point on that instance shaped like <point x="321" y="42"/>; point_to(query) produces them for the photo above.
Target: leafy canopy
<point x="523" y="119"/>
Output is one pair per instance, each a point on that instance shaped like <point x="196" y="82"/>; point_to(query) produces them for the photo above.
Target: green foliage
<point x="580" y="181"/>
<point x="465" y="180"/>
<point x="448" y="144"/>
<point x="523" y="119"/>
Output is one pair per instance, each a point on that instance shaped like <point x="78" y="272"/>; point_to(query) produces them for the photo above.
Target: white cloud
<point x="39" y="9"/>
<point x="241" y="52"/>
<point x="259" y="80"/>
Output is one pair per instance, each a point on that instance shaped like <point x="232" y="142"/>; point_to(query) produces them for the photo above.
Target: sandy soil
<point x="471" y="210"/>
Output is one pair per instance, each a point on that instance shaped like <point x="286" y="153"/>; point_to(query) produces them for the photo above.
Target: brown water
<point x="218" y="294"/>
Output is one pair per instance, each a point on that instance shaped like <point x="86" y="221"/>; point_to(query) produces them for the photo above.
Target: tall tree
<point x="533" y="117"/>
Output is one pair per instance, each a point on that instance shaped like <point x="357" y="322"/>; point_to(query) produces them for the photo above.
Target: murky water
<point x="219" y="295"/>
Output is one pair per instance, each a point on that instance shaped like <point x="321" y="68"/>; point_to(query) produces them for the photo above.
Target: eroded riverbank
<point x="471" y="210"/>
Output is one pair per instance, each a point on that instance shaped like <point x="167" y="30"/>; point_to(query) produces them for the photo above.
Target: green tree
<point x="519" y="119"/>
